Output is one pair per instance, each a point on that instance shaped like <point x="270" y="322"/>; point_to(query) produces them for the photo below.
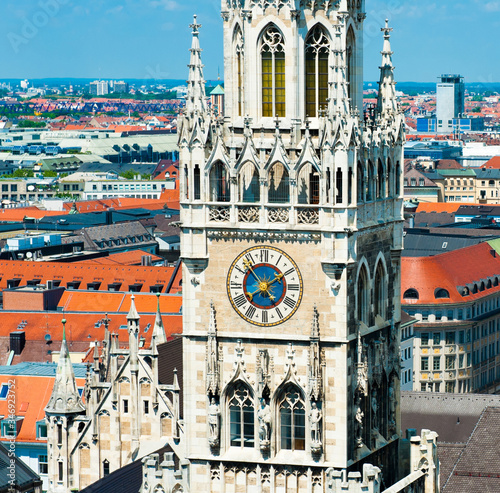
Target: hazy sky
<point x="151" y="38"/>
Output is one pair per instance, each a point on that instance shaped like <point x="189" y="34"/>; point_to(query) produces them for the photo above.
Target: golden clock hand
<point x="248" y="265"/>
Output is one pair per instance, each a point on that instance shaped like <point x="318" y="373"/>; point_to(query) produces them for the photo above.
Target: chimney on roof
<point x="146" y="261"/>
<point x="109" y="215"/>
<point x="493" y="253"/>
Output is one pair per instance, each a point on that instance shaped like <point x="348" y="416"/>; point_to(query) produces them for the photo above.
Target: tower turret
<point x="387" y="105"/>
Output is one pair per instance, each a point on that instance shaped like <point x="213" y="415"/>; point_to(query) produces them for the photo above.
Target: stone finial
<point x="65" y="398"/>
<point x="159" y="330"/>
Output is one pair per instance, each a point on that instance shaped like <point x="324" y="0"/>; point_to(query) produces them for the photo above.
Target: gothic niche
<point x="264" y="413"/>
<point x="213" y="383"/>
<point x="315" y="423"/>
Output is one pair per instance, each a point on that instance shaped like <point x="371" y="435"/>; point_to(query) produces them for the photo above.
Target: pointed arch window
<point x="308" y="185"/>
<point x="292" y="419"/>
<point x="279" y="185"/>
<point x="380" y="292"/>
<point x="370" y="184"/>
<point x="380" y="180"/>
<point x="241" y="416"/>
<point x="363" y="296"/>
<point x="390" y="179"/>
<point x="317" y="51"/>
<point x="239" y="60"/>
<point x="361" y="182"/>
<point x="219" y="183"/>
<point x="248" y="183"/>
<point x="350" y="55"/>
<point x="273" y="72"/>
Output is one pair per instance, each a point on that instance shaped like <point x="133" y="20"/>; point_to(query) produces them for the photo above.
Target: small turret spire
<point x="65" y="398"/>
<point x="132" y="314"/>
<point x="158" y="330"/>
<point x="387" y="103"/>
<point x="196" y="96"/>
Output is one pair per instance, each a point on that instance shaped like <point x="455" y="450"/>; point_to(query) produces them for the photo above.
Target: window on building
<point x="380" y="291"/>
<point x="411" y="294"/>
<point x="424" y="363"/>
<point x="461" y="359"/>
<point x="146" y="407"/>
<point x="105" y="467"/>
<point x="308" y="185"/>
<point x="41" y="430"/>
<point x="43" y="464"/>
<point x="441" y="293"/>
<point x="461" y="337"/>
<point x="363" y="296"/>
<point x="60" y="471"/>
<point x="279" y="184"/>
<point x="219" y="183"/>
<point x="4" y="391"/>
<point x="273" y="73"/>
<point x="450" y="387"/>
<point x="450" y="337"/>
<point x="125" y="406"/>
<point x="450" y="362"/>
<point x="248" y="183"/>
<point x="436" y="338"/>
<point x="292" y="419"/>
<point x="241" y="416"/>
<point x="317" y="51"/>
<point x="436" y="363"/>
<point x="424" y="339"/>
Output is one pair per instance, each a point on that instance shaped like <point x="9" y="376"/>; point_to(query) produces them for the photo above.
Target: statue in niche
<point x="213" y="423"/>
<point x="374" y="409"/>
<point x="264" y="415"/>
<point x="315" y="417"/>
<point x="359" y="422"/>
<point x="392" y="408"/>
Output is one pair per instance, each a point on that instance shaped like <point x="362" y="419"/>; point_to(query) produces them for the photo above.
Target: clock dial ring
<point x="264" y="286"/>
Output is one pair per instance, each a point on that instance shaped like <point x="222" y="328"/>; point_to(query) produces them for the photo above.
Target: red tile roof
<point x="123" y="258"/>
<point x="449" y="271"/>
<point x="19" y="214"/>
<point x="31" y="396"/>
<point x="493" y="163"/>
<point x="449" y="207"/>
<point x="86" y="273"/>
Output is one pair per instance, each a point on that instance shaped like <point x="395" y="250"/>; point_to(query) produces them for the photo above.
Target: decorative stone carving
<point x="263" y="236"/>
<point x="315" y="362"/>
<point x="263" y="373"/>
<point x="315" y="422"/>
<point x="248" y="214"/>
<point x="278" y="215"/>
<point x="265" y="423"/>
<point x="219" y="214"/>
<point x="213" y="424"/>
<point x="392" y="428"/>
<point x="308" y="216"/>
<point x="212" y="360"/>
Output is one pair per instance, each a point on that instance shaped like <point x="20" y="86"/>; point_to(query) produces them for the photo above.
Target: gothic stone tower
<point x="291" y="217"/>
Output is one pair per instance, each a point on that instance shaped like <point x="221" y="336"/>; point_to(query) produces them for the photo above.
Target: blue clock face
<point x="264" y="286"/>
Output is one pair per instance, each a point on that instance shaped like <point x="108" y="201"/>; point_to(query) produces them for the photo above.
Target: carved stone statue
<point x="359" y="422"/>
<point x="265" y="419"/>
<point x="374" y="404"/>
<point x="392" y="408"/>
<point x="213" y="423"/>
<point x="315" y="417"/>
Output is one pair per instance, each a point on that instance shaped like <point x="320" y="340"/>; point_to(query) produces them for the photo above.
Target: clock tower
<point x="291" y="215"/>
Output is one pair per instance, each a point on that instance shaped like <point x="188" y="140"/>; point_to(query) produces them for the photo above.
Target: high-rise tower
<point x="291" y="214"/>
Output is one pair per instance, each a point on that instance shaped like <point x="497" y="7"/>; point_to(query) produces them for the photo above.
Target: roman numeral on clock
<point x="278" y="312"/>
<point x="289" y="302"/>
<point x="294" y="287"/>
<point x="236" y="285"/>
<point x="290" y="271"/>
<point x="250" y="312"/>
<point x="264" y="256"/>
<point x="240" y="300"/>
<point x="264" y="316"/>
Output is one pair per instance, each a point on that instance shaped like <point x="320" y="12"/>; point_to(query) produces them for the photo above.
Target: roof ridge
<point x="464" y="449"/>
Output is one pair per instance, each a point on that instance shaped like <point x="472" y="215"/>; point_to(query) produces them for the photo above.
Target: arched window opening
<point x="350" y="60"/>
<point x="239" y="47"/>
<point x="328" y="185"/>
<point x="361" y="182"/>
<point x="197" y="181"/>
<point x="441" y="293"/>
<point x="292" y="419"/>
<point x="219" y="184"/>
<point x="489" y="284"/>
<point x="363" y="297"/>
<point x="380" y="180"/>
<point x="397" y="179"/>
<point x="411" y="294"/>
<point x="390" y="186"/>
<point x="349" y="187"/>
<point x="380" y="292"/>
<point x="474" y="289"/>
<point x="339" y="182"/>
<point x="273" y="72"/>
<point x="308" y="185"/>
<point x="279" y="185"/>
<point x="370" y="184"/>
<point x="105" y="467"/>
<point x="241" y="417"/>
<point x="482" y="287"/>
<point x="317" y="51"/>
<point x="248" y="183"/>
<point x="495" y="282"/>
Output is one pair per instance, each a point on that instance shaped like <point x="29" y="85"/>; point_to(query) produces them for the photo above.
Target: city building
<point x="120" y="87"/>
<point x="450" y="102"/>
<point x="99" y="88"/>
<point x="455" y="298"/>
<point x="433" y="149"/>
<point x="291" y="234"/>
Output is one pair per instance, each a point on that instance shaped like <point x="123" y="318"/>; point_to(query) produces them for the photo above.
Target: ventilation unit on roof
<point x="17" y="342"/>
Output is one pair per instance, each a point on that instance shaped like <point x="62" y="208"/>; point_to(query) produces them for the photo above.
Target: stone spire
<point x="387" y="103"/>
<point x="196" y="96"/>
<point x="65" y="398"/>
<point x="339" y="92"/>
<point x="158" y="330"/>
